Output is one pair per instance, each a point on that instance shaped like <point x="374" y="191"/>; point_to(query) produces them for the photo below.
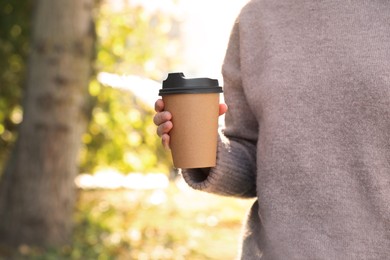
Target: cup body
<point x="193" y="138"/>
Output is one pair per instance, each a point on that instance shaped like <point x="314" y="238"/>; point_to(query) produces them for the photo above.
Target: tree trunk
<point x="37" y="191"/>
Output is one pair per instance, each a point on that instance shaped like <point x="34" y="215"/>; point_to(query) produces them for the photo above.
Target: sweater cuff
<point x="225" y="178"/>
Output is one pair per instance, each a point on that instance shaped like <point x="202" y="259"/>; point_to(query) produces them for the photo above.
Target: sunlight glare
<point x="158" y="197"/>
<point x="113" y="179"/>
<point x="143" y="88"/>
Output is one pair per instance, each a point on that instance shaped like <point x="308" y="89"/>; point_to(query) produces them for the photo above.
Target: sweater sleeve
<point x="235" y="172"/>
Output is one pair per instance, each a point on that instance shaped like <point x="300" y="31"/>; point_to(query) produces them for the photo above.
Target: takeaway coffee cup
<point x="194" y="105"/>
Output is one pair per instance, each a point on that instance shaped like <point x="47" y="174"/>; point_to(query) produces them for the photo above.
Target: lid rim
<point x="216" y="90"/>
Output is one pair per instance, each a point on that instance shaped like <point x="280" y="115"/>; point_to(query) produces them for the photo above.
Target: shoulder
<point x="252" y="7"/>
<point x="251" y="11"/>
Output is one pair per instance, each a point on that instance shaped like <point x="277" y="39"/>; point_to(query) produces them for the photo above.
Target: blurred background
<point x="83" y="173"/>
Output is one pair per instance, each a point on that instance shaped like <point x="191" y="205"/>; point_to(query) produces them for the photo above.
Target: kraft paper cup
<point x="194" y="105"/>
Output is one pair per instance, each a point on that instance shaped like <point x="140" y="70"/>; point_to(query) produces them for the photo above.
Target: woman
<point x="307" y="131"/>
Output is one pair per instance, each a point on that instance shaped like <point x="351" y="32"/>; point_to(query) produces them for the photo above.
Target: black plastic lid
<point x="176" y="83"/>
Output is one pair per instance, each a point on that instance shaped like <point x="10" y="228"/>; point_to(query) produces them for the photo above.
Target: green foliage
<point x="121" y="133"/>
<point x="151" y="224"/>
<point x="14" y="46"/>
<point x="135" y="41"/>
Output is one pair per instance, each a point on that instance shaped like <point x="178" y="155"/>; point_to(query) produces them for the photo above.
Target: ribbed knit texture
<point x="307" y="83"/>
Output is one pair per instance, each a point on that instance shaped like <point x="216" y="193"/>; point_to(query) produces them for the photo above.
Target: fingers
<point x="222" y="109"/>
<point x="162" y="121"/>
<point x="164" y="128"/>
<point x="165" y="141"/>
<point x="161" y="117"/>
<point x="159" y="105"/>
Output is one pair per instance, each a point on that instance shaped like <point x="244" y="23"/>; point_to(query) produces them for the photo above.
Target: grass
<point x="173" y="223"/>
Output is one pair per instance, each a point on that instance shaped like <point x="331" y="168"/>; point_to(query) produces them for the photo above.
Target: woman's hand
<point x="162" y="120"/>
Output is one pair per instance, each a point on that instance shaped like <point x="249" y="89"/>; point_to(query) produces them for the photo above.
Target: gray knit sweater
<point x="307" y="83"/>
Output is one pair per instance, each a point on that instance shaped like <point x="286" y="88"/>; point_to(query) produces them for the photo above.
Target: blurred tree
<point x="14" y="42"/>
<point x="36" y="192"/>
